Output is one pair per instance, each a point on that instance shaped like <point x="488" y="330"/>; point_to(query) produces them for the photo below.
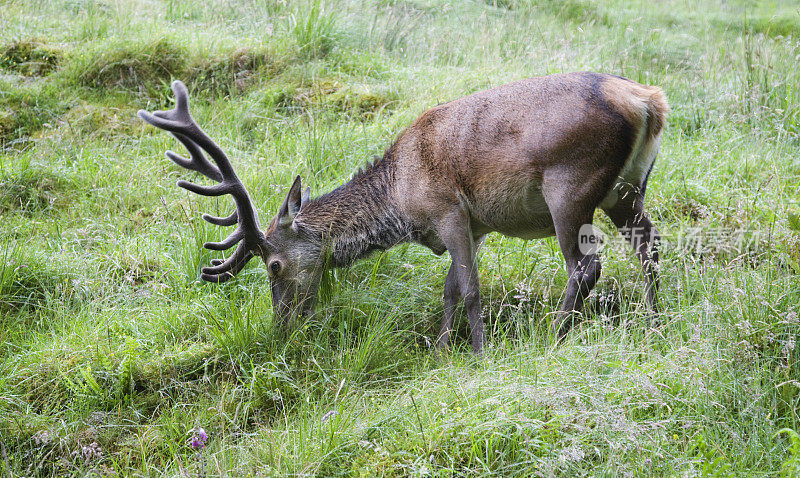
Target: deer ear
<point x="292" y="204"/>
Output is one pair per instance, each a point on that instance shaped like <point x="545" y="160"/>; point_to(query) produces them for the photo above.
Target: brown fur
<point x="497" y="149"/>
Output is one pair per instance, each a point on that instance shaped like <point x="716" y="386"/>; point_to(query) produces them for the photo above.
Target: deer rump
<point x="529" y="159"/>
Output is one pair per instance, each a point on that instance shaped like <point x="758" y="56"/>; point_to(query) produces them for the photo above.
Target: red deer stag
<point x="529" y="159"/>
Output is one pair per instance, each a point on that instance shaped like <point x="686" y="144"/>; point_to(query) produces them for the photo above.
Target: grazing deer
<point x="530" y="159"/>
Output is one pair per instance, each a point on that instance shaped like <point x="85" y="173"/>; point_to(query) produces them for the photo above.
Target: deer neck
<point x="358" y="217"/>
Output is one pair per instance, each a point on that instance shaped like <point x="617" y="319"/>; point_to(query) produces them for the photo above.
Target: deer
<point x="530" y="159"/>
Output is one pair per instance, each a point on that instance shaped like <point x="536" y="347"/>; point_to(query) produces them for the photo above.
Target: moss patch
<point x="98" y="121"/>
<point x="359" y="100"/>
<point x="29" y="58"/>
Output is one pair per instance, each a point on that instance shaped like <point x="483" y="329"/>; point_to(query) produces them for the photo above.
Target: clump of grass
<point x="574" y="11"/>
<point x="360" y="100"/>
<point x="785" y="24"/>
<point x="145" y="68"/>
<point x="691" y="206"/>
<point x="23" y="111"/>
<point x="232" y="73"/>
<point x="793" y="252"/>
<point x="28" y="279"/>
<point x="122" y="377"/>
<point x="273" y="387"/>
<point x="135" y="270"/>
<point x="29" y="57"/>
<point x="313" y="28"/>
<point x="506" y="4"/>
<point x="31" y="189"/>
<point x="577" y="11"/>
<point x="652" y="56"/>
<point x="688" y="119"/>
<point x="791" y="244"/>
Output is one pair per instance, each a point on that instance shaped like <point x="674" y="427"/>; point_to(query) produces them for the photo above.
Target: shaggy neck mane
<point x="358" y="217"/>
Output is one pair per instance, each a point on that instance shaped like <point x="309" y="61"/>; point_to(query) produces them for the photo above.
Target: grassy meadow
<point x="112" y="351"/>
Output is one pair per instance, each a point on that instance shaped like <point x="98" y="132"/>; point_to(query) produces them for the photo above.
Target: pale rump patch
<point x="646" y="108"/>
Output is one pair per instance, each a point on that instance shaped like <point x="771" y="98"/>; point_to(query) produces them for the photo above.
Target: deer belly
<point x="526" y="217"/>
<point x="541" y="226"/>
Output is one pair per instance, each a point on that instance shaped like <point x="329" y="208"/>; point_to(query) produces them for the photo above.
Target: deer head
<point x="293" y="259"/>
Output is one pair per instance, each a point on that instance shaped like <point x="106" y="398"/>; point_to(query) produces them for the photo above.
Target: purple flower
<point x="199" y="438"/>
<point x="328" y="415"/>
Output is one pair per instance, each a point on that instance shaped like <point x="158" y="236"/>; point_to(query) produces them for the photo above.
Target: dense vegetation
<point x="112" y="351"/>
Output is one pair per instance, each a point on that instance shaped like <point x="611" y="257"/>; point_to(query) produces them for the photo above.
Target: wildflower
<point x="199" y="438"/>
<point x="789" y="345"/>
<point x="328" y="415"/>
<point x="43" y="437"/>
<point x="88" y="453"/>
<point x="198" y="442"/>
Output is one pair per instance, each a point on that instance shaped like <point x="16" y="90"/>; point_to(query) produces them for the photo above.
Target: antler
<point x="179" y="123"/>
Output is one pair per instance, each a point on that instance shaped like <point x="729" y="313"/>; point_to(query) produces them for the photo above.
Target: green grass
<point x="112" y="351"/>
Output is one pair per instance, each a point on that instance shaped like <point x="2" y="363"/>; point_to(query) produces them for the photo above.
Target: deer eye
<point x="275" y="267"/>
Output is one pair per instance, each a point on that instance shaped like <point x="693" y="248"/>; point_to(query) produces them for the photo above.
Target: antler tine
<point x="216" y="190"/>
<point x="177" y="119"/>
<point x="179" y="122"/>
<point x="222" y="221"/>
<point x="197" y="161"/>
<point x="225" y="270"/>
<point x="227" y="243"/>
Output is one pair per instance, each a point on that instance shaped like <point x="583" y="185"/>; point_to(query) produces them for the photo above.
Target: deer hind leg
<point x="572" y="220"/>
<point x="583" y="272"/>
<point x="635" y="226"/>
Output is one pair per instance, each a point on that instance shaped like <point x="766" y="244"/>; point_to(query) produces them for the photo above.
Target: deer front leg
<point x="457" y="237"/>
<point x="452" y="297"/>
